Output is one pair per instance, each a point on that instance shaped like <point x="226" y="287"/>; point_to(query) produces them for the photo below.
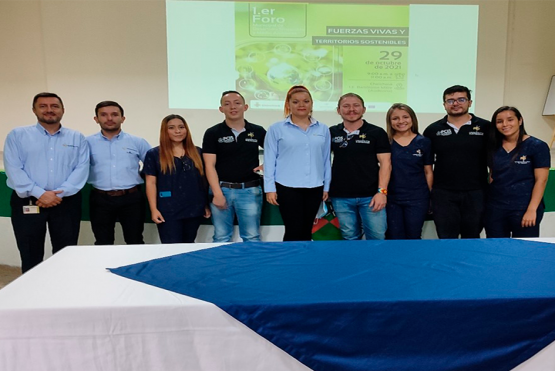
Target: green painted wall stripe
<point x="270" y="213"/>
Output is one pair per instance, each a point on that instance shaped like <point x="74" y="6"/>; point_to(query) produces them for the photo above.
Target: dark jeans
<point x="405" y="219"/>
<point x="63" y="222"/>
<point x="298" y="208"/>
<point x="502" y="223"/>
<point x="105" y="210"/>
<point x="458" y="213"/>
<point x="179" y="231"/>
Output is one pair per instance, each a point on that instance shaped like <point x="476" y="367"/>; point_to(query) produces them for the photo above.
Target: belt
<point x="250" y="184"/>
<point x="117" y="192"/>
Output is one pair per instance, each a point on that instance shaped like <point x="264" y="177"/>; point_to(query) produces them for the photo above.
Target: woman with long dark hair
<point x="297" y="168"/>
<point x="411" y="174"/>
<point x="519" y="168"/>
<point x="176" y="186"/>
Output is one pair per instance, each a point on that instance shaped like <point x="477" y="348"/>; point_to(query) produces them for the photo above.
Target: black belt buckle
<point x="249" y="184"/>
<point x="117" y="192"/>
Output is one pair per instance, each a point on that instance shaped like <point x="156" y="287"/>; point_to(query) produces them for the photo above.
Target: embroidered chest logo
<point x="337" y="139"/>
<point x="251" y="138"/>
<point x="444" y="133"/>
<point x="362" y="139"/>
<point x="229" y="139"/>
<point x="523" y="160"/>
<point x="418" y="153"/>
<point x="476" y="131"/>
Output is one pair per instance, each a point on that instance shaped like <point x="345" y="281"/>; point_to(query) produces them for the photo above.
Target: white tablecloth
<point x="70" y="313"/>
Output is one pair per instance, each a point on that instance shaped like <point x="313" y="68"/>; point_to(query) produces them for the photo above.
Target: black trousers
<point x="298" y="208"/>
<point x="63" y="223"/>
<point x="106" y="210"/>
<point x="458" y="213"/>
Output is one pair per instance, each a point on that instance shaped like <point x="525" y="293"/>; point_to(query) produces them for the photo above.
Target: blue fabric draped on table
<point x="378" y="305"/>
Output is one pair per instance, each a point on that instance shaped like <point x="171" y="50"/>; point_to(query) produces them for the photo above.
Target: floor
<point x="8" y="274"/>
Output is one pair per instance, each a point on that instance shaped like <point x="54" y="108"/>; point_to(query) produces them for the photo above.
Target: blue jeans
<point x="247" y="205"/>
<point x="355" y="216"/>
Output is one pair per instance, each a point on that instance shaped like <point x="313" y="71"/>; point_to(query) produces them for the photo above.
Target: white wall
<point x="88" y="51"/>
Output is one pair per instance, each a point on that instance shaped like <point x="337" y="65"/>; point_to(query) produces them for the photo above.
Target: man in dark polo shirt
<point x="460" y="169"/>
<point x="360" y="172"/>
<point x="230" y="151"/>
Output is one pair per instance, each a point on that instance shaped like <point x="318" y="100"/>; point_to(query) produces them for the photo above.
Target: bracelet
<point x="382" y="191"/>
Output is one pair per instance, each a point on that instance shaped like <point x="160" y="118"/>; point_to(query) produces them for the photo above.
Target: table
<point x="70" y="313"/>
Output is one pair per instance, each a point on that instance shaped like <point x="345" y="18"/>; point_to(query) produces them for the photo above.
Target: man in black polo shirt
<point x="360" y="172"/>
<point x="460" y="170"/>
<point x="230" y="151"/>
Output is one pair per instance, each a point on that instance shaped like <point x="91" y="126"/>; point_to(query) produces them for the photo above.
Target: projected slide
<point x="386" y="54"/>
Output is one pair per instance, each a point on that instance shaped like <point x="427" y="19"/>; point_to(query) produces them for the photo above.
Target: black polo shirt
<point x="235" y="158"/>
<point x="355" y="168"/>
<point x="460" y="158"/>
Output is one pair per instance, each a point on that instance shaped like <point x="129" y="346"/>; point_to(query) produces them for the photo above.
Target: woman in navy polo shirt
<point x="519" y="168"/>
<point x="411" y="174"/>
<point x="176" y="186"/>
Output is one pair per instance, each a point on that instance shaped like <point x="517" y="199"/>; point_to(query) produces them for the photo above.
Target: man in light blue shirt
<point x="46" y="165"/>
<point x="115" y="176"/>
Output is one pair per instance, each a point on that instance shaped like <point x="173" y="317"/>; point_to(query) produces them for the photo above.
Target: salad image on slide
<point x="266" y="70"/>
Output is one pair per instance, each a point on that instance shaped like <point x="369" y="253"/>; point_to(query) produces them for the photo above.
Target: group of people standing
<point x="382" y="184"/>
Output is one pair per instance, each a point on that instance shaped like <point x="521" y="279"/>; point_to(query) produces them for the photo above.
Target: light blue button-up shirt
<point x="37" y="161"/>
<point x="115" y="163"/>
<point x="297" y="158"/>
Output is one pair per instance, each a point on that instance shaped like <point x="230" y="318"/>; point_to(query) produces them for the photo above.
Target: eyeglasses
<point x="459" y="100"/>
<point x="346" y="140"/>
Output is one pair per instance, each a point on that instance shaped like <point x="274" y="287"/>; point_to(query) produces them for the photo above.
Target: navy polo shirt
<point x="355" y="168"/>
<point x="513" y="174"/>
<point x="408" y="181"/>
<point x="235" y="157"/>
<point x="180" y="194"/>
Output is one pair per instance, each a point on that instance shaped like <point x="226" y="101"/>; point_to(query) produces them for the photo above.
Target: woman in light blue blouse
<point x="297" y="169"/>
